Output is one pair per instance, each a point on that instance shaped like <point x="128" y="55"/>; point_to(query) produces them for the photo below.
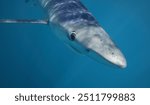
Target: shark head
<point x="94" y="42"/>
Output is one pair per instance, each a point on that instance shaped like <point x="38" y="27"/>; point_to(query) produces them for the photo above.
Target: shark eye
<point x="73" y="36"/>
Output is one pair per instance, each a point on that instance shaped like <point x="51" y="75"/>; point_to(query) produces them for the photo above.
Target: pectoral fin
<point x="31" y="21"/>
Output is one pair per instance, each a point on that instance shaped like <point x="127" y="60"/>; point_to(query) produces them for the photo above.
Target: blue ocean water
<point x="32" y="56"/>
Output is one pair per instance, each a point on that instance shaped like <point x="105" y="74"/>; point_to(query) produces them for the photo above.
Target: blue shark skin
<point x="81" y="31"/>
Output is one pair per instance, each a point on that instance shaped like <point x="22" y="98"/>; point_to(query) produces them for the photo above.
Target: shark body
<point x="81" y="31"/>
<point x="78" y="28"/>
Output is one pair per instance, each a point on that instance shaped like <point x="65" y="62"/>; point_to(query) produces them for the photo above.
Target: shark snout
<point x="100" y="46"/>
<point x="118" y="59"/>
<point x="108" y="51"/>
<point x="112" y="55"/>
<point x="122" y="62"/>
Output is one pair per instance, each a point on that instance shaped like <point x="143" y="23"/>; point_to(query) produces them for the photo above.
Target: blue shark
<point x="79" y="29"/>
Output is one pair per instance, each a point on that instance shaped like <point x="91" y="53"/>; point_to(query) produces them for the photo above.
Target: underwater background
<point x="32" y="56"/>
